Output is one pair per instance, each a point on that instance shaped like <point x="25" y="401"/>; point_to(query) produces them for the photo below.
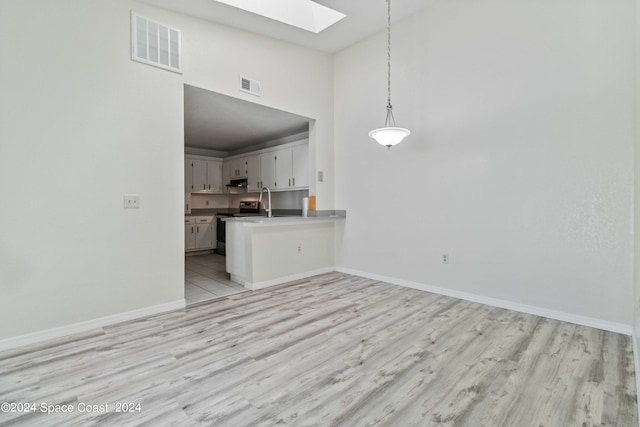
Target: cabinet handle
<point x="197" y="229"/>
<point x="209" y="187"/>
<point x="289" y="182"/>
<point x="204" y="186"/>
<point x="192" y="229"/>
<point x="187" y="206"/>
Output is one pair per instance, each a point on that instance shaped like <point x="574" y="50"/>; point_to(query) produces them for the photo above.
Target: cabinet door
<point x="187" y="203"/>
<point x="284" y="166"/>
<point x="242" y="167"/>
<point x="300" y="155"/>
<point x="189" y="237"/>
<point x="226" y="175"/>
<point x="214" y="176"/>
<point x="204" y="236"/>
<point x="199" y="175"/>
<point x="238" y="168"/>
<point x="188" y="175"/>
<point x="231" y="168"/>
<point x="268" y="170"/>
<point x="253" y="173"/>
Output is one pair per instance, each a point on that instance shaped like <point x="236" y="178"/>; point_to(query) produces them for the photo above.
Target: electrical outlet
<point x="299" y="248"/>
<point x="445" y="258"/>
<point x="131" y="201"/>
<point x="320" y="176"/>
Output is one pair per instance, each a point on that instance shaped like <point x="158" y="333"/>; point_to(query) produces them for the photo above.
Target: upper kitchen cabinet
<point x="300" y="166"/>
<point x="199" y="175"/>
<point x="277" y="168"/>
<point x="284" y="169"/>
<point x="254" y="177"/>
<point x="188" y="176"/>
<point x="203" y="176"/>
<point x="237" y="168"/>
<point x="214" y="176"/>
<point x="268" y="170"/>
<point x="292" y="168"/>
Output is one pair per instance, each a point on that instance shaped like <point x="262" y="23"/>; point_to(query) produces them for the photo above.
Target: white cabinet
<point x="226" y="174"/>
<point x="187" y="203"/>
<point x="199" y="175"/>
<point x="268" y="170"/>
<point x="189" y="233"/>
<point x="237" y="168"/>
<point x="254" y="177"/>
<point x="199" y="233"/>
<point x="300" y="166"/>
<point x="277" y="169"/>
<point x="202" y="176"/>
<point x="284" y="169"/>
<point x="214" y="176"/>
<point x="188" y="176"/>
<point x="204" y="232"/>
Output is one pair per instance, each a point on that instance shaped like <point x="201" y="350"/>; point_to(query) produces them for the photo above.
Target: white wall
<point x="520" y="164"/>
<point x="81" y="125"/>
<point x="636" y="212"/>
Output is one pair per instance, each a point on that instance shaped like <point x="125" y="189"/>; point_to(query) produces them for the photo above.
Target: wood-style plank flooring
<point x="333" y="350"/>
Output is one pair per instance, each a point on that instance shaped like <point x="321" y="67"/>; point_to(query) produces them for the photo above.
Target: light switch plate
<point x="320" y="176"/>
<point x="131" y="201"/>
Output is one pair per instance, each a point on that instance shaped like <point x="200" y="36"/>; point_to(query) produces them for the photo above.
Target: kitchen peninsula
<point x="264" y="252"/>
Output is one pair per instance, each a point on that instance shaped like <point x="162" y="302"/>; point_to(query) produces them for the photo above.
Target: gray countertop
<point x="277" y="220"/>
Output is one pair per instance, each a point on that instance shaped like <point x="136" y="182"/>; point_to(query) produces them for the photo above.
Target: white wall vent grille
<point x="156" y="44"/>
<point x="250" y="86"/>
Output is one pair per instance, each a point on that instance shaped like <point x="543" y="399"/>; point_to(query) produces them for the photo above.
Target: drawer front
<point x="189" y="220"/>
<point x="204" y="219"/>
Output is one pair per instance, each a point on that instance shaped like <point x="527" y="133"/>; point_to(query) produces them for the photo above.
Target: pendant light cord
<point x="390" y="120"/>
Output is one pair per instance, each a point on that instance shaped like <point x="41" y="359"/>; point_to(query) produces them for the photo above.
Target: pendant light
<point x="389" y="135"/>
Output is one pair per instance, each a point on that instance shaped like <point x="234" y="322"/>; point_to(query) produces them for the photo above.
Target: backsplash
<point x="280" y="200"/>
<point x="209" y="201"/>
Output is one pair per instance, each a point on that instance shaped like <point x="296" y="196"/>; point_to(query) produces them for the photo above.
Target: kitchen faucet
<point x="267" y="210"/>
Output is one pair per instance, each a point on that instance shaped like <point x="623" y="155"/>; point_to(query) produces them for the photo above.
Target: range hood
<point x="238" y="183"/>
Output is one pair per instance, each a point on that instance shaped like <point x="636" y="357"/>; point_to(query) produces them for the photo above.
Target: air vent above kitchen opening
<point x="250" y="86"/>
<point x="155" y="44"/>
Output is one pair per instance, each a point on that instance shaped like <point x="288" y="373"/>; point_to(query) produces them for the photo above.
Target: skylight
<point x="304" y="14"/>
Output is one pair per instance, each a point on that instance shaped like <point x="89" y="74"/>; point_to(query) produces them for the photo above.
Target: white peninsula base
<point x="264" y="252"/>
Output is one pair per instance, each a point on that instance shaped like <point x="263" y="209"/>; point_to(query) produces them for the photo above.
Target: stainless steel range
<point x="246" y="208"/>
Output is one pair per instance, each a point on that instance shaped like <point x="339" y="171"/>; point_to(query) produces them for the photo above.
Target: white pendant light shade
<point x="389" y="136"/>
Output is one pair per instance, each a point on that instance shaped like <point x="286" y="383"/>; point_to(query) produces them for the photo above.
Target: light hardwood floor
<point x="333" y="350"/>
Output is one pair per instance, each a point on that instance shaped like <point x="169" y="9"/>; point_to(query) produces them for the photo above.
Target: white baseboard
<point x="285" y="279"/>
<point x="75" y="328"/>
<point x="620" y="328"/>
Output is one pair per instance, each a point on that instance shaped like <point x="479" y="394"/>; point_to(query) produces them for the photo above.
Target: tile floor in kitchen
<point x="206" y="278"/>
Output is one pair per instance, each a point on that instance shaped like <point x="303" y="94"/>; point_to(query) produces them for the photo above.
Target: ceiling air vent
<point x="250" y="86"/>
<point x="155" y="44"/>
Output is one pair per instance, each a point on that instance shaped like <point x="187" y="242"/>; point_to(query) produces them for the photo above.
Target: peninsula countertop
<point x="279" y="220"/>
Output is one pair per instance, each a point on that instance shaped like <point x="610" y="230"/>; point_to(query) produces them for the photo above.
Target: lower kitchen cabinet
<point x="199" y="233"/>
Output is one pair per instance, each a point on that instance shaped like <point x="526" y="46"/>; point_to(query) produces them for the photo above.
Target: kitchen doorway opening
<point x="223" y="137"/>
